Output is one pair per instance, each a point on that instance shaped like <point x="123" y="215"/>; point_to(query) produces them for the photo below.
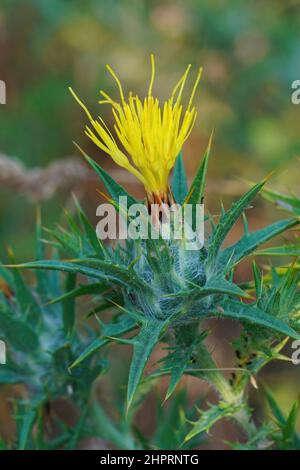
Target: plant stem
<point x="214" y="376"/>
<point x="205" y="367"/>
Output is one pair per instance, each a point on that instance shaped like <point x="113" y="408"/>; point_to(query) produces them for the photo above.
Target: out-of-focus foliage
<point x="249" y="51"/>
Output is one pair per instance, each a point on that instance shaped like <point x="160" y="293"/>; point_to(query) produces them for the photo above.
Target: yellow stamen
<point x="113" y="74"/>
<point x="182" y="83"/>
<point x="152" y="74"/>
<point x="195" y="87"/>
<point x="81" y="103"/>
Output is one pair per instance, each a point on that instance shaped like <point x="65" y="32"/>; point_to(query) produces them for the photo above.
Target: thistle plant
<point x="39" y="350"/>
<point x="161" y="292"/>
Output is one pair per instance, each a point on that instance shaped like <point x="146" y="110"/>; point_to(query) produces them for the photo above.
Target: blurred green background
<point x="250" y="53"/>
<point x="249" y="50"/>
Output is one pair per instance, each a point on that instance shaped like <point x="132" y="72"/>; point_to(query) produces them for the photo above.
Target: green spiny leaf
<point x="6" y="275"/>
<point x="107" y="429"/>
<point x="290" y="425"/>
<point x="93" y="268"/>
<point x="284" y="250"/>
<point x="118" y="273"/>
<point x="277" y="413"/>
<point x="196" y="192"/>
<point x="123" y="325"/>
<point x="177" y="361"/>
<point x="27" y="303"/>
<point x="27" y="422"/>
<point x="143" y="346"/>
<point x="258" y="280"/>
<point x="69" y="305"/>
<point x="18" y="333"/>
<point x="228" y="220"/>
<point x="179" y="181"/>
<point x="213" y="286"/>
<point x="42" y="276"/>
<point x="211" y="416"/>
<point x="91" y="233"/>
<point x="249" y="242"/>
<point x="86" y="289"/>
<point x="255" y="316"/>
<point x="68" y="241"/>
<point x="290" y="203"/>
<point x="114" y="189"/>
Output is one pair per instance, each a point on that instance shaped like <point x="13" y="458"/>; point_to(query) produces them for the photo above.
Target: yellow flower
<point x="151" y="136"/>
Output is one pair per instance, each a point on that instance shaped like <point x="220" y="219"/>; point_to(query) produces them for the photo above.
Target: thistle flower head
<point x="150" y="135"/>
